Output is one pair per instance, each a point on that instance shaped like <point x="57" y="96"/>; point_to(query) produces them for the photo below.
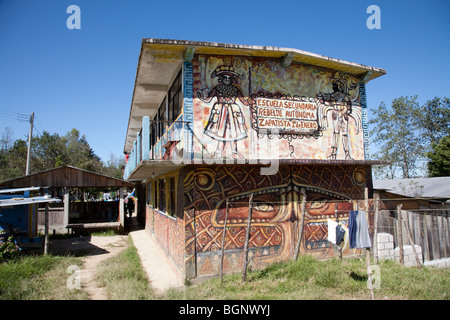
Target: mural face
<point x="308" y="113"/>
<point x="276" y="211"/>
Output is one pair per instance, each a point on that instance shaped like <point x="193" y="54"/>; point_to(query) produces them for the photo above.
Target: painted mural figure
<point x="226" y="123"/>
<point x="340" y="105"/>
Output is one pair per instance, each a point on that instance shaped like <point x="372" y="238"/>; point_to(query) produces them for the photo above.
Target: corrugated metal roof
<point x="65" y="176"/>
<point x="19" y="190"/>
<point x="418" y="187"/>
<point x="23" y="201"/>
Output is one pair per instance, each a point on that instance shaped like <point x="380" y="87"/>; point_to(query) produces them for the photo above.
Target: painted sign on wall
<point x="290" y="116"/>
<point x="309" y="112"/>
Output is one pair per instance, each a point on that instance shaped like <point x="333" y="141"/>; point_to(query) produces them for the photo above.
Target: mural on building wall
<point x="339" y="103"/>
<point x="226" y="122"/>
<point x="308" y="110"/>
<point x="275" y="214"/>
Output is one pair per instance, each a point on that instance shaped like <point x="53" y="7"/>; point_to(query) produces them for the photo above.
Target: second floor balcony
<point x="160" y="146"/>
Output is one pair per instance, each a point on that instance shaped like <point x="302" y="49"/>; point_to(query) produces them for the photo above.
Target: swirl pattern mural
<point x="275" y="211"/>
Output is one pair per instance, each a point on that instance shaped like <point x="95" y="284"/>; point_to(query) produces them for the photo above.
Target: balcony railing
<point x="156" y="139"/>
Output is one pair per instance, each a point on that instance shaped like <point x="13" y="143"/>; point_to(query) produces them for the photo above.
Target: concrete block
<point x="381" y="246"/>
<point x="384" y="237"/>
<point x="407" y="250"/>
<point x="383" y="253"/>
<point x="389" y="245"/>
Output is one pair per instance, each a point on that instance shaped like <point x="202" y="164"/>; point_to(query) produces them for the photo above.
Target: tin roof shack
<point x="214" y="123"/>
<point x="425" y="213"/>
<point x="60" y="181"/>
<point x="18" y="216"/>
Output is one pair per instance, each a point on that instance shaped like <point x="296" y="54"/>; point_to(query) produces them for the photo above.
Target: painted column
<point x="188" y="109"/>
<point x="138" y="148"/>
<point x="145" y="138"/>
<point x="134" y="153"/>
<point x="365" y="121"/>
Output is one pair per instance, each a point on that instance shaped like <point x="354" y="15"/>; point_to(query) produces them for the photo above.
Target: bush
<point x="8" y="249"/>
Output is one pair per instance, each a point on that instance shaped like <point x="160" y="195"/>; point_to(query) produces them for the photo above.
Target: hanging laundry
<point x="358" y="230"/>
<point x="352" y="228"/>
<point x="362" y="232"/>
<point x="332" y="231"/>
<point x="340" y="233"/>
<point x="345" y="238"/>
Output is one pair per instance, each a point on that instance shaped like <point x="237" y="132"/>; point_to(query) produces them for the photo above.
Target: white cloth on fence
<point x="332" y="231"/>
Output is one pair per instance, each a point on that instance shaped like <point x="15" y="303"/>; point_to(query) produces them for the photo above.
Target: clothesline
<point x="357" y="232"/>
<point x="337" y="201"/>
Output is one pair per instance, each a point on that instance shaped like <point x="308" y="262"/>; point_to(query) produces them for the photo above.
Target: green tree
<point x="13" y="161"/>
<point x="51" y="150"/>
<point x="78" y="152"/>
<point x="48" y="150"/>
<point x="397" y="132"/>
<point x="439" y="164"/>
<point x="113" y="167"/>
<point x="434" y="120"/>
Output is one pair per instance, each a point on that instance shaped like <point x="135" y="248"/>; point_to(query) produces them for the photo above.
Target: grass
<point x="321" y="280"/>
<point x="44" y="277"/>
<point x="124" y="278"/>
<point x="38" y="278"/>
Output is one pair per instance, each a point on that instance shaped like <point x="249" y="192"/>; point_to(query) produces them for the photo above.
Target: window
<point x="172" y="196"/>
<point x="148" y="201"/>
<point x="175" y="98"/>
<point x="155" y="199"/>
<point x="162" y="195"/>
<point x="153" y="138"/>
<point x="162" y="118"/>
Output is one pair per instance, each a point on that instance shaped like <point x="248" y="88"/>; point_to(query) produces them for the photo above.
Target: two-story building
<point x="213" y="123"/>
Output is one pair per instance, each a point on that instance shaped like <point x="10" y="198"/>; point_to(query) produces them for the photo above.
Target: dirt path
<point x="94" y="250"/>
<point x="113" y="246"/>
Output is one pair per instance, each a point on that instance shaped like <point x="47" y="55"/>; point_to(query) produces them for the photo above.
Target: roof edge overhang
<point x="122" y="183"/>
<point x="153" y="168"/>
<point x="203" y="47"/>
<point x="174" y="52"/>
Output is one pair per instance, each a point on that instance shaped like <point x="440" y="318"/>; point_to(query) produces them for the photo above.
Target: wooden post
<point x="66" y="206"/>
<point x="375" y="229"/>
<point x="366" y="204"/>
<point x="369" y="272"/>
<point x="121" y="207"/>
<point x="337" y="221"/>
<point x="301" y="226"/>
<point x="46" y="229"/>
<point x="411" y="242"/>
<point x="400" y="233"/>
<point x="247" y="237"/>
<point x="223" y="242"/>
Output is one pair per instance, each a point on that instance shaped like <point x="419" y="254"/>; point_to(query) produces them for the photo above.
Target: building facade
<point x="214" y="126"/>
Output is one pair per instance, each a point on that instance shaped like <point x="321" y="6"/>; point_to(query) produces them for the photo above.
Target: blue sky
<point x="84" y="78"/>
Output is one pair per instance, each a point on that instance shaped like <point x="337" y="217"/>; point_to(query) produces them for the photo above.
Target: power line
<point x="39" y="123"/>
<point x="14" y="115"/>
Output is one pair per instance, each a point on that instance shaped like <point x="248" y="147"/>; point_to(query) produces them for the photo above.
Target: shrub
<point x="8" y="249"/>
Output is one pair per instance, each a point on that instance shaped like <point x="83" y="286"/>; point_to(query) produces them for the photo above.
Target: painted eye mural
<point x="276" y="209"/>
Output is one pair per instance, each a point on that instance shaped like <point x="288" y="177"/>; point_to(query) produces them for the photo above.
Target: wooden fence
<point x="80" y="212"/>
<point x="55" y="217"/>
<point x="429" y="229"/>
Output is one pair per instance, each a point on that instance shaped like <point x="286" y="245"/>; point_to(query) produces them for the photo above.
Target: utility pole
<point x="29" y="144"/>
